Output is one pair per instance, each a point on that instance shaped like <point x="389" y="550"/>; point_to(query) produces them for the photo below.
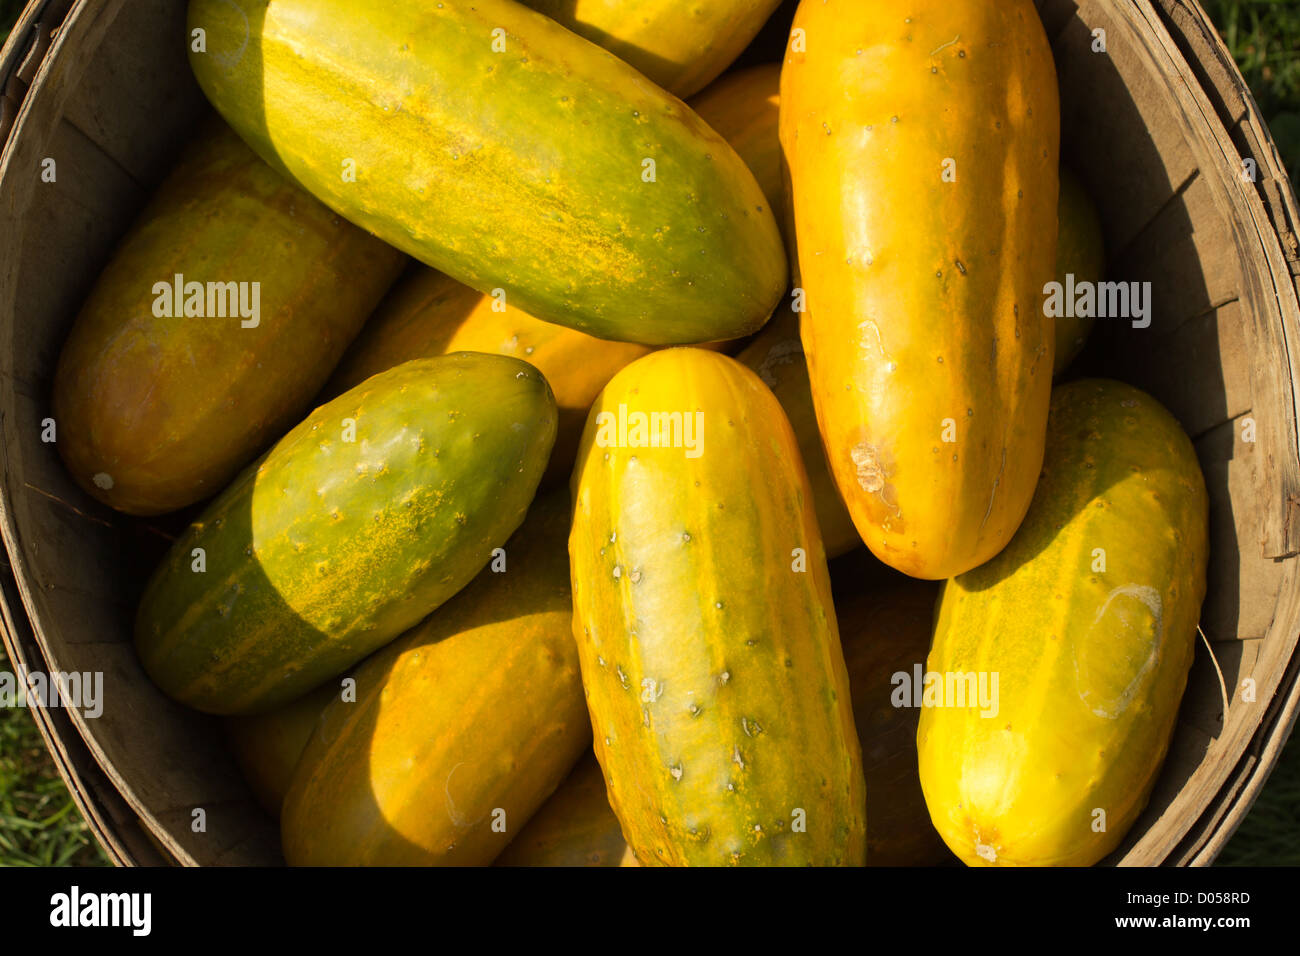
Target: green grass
<point x="1264" y="37"/>
<point x="9" y="10"/>
<point x="40" y="825"/>
<point x="39" y="822"/>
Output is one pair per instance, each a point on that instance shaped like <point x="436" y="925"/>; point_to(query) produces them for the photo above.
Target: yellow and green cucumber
<point x="718" y="695"/>
<point x="460" y="730"/>
<point x="215" y="322"/>
<point x="615" y="209"/>
<point x="1083" y="629"/>
<point x="374" y="510"/>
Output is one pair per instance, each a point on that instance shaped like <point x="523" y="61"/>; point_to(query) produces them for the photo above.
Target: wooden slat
<point x="1217" y="340"/>
<point x="1180" y="252"/>
<point x="1214" y="67"/>
<point x="1199" y="45"/>
<point x="1218" y="671"/>
<point x="1243" y="584"/>
<point x="152" y="73"/>
<point x="107" y="815"/>
<point x="1116" y="131"/>
<point x="1206" y="839"/>
<point x="78" y="568"/>
<point x="1269" y="290"/>
<point x="94" y="200"/>
<point x="21" y="53"/>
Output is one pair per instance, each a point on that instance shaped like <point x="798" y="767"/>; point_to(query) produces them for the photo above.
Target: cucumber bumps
<point x="718" y="694"/>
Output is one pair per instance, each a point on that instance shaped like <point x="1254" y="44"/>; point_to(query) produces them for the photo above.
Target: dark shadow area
<point x="769" y="45"/>
<point x="565" y="12"/>
<point x="885" y="628"/>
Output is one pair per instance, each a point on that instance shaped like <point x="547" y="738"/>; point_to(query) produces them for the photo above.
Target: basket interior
<point x="117" y="100"/>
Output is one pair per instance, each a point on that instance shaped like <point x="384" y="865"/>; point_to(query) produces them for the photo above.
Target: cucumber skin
<point x="717" y="688"/>
<point x="546" y="140"/>
<point x="326" y="549"/>
<point x="1089" y="678"/>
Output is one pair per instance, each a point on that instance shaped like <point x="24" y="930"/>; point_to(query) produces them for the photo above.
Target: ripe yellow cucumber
<point x="885" y="630"/>
<point x="160" y="398"/>
<point x="460" y="730"/>
<point x="267" y="746"/>
<point x="922" y="139"/>
<point x="702" y="609"/>
<point x="496" y="146"/>
<point x="370" y="513"/>
<point x="1081" y="253"/>
<point x="1088" y="620"/>
<point x="576" y="827"/>
<point x="776" y="356"/>
<point x="681" y="46"/>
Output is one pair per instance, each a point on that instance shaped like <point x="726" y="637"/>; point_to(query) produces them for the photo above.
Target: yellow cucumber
<point x="461" y="728"/>
<point x="706" y="631"/>
<point x="921" y="138"/>
<point x="1087" y="623"/>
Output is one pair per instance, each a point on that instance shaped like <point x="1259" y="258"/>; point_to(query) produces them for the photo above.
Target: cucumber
<point x="922" y="140"/>
<point x="613" y="208"/>
<point x="681" y="46"/>
<point x="157" y="408"/>
<point x="1088" y="620"/>
<point x="706" y="631"/>
<point x="365" y="517"/>
<point x="460" y="729"/>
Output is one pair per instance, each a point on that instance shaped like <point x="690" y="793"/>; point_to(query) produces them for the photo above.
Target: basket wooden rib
<point x="1161" y="148"/>
<point x="1157" y="127"/>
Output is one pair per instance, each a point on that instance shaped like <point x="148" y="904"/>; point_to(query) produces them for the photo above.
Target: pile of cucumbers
<point x="540" y="383"/>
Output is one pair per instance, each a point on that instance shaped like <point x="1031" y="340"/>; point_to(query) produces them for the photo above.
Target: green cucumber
<point x="367" y="516"/>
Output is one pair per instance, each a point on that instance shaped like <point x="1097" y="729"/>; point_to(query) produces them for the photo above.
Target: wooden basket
<point x="1193" y="198"/>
